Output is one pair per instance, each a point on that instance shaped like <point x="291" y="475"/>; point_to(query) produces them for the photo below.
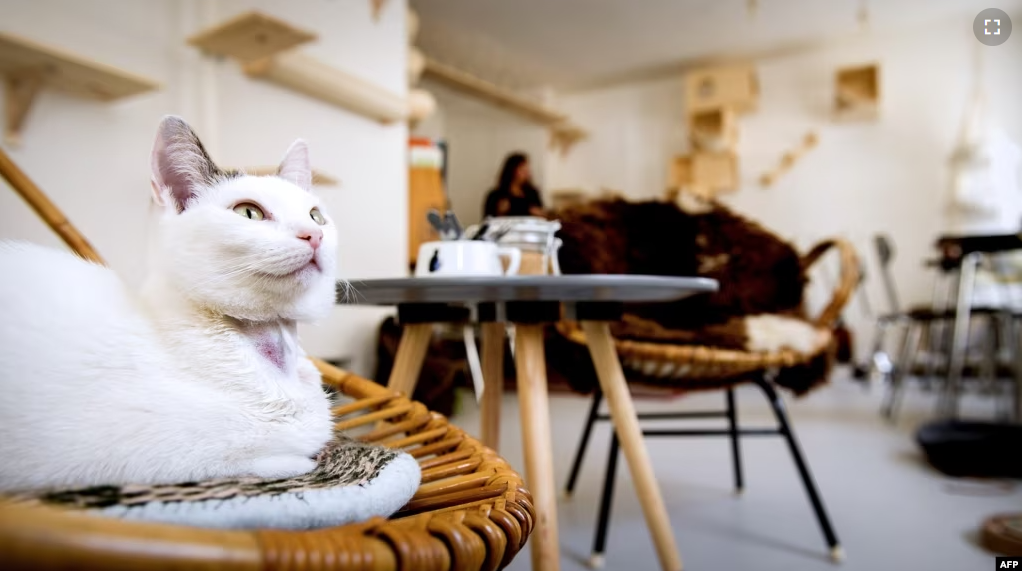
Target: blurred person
<point x="515" y="194"/>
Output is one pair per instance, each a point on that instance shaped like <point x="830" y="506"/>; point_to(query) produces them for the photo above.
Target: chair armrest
<point x="848" y="279"/>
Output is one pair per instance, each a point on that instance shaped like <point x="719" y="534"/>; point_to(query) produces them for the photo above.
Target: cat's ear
<point x="295" y="166"/>
<point x="181" y="167"/>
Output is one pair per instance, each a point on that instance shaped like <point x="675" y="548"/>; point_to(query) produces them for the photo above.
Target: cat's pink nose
<point x="315" y="236"/>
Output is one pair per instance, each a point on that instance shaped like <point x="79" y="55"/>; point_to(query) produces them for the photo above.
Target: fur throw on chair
<point x="759" y="306"/>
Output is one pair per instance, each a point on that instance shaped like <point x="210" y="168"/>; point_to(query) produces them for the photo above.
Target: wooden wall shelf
<point x="319" y="178"/>
<point x="857" y="92"/>
<point x="250" y="37"/>
<point x="705" y="174"/>
<point x="733" y="86"/>
<point x="28" y="67"/>
<point x="265" y="47"/>
<point x="492" y="93"/>
<point x="563" y="133"/>
<point x="713" y="129"/>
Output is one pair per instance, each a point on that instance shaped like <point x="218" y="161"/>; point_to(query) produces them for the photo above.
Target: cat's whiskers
<point x="223" y="276"/>
<point x="349" y="290"/>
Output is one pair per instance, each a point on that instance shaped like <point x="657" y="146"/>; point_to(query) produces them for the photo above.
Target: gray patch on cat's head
<point x="209" y="172"/>
<point x="182" y="163"/>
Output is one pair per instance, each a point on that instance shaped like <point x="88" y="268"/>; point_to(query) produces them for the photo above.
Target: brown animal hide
<point x="757" y="271"/>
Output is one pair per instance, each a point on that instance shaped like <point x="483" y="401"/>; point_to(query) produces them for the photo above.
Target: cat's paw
<point x="282" y="466"/>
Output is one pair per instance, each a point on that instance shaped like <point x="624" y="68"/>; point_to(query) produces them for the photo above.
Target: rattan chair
<point x="472" y="511"/>
<point x="689" y="367"/>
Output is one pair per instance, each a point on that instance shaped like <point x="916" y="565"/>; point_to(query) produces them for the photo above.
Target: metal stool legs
<point x="584" y="441"/>
<point x="804" y="471"/>
<point x="903" y="368"/>
<point x="733" y="434"/>
<point x="606" y="498"/>
<point x="733" y="431"/>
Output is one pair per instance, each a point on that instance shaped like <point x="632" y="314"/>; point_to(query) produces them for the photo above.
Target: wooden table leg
<point x="493" y="383"/>
<point x="531" y="378"/>
<point x="408" y="362"/>
<point x="623" y="414"/>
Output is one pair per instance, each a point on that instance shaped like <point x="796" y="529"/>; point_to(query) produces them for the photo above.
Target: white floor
<point x="889" y="509"/>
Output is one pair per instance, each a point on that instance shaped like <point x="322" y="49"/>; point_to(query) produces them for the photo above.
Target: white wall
<point x="92" y="159"/>
<point x="479" y="137"/>
<point x="863" y="178"/>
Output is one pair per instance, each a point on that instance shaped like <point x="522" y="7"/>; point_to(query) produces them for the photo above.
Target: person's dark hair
<point x="511" y="165"/>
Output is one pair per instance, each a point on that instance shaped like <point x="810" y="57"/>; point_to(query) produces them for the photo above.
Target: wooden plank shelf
<point x="265" y="48"/>
<point x="29" y="67"/>
<point x="704" y="174"/>
<point x="563" y="133"/>
<point x="492" y="93"/>
<point x="249" y="37"/>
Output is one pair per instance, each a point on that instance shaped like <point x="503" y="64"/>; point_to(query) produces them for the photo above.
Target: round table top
<point x="572" y="288"/>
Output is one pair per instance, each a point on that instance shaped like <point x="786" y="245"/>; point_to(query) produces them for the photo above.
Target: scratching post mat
<point x="352" y="482"/>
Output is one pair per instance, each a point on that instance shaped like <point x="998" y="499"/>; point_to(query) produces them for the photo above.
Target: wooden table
<point x="529" y="302"/>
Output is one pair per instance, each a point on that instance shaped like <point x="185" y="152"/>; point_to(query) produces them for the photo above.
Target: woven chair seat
<point x="471" y="512"/>
<point x="697" y="366"/>
<point x="664" y="362"/>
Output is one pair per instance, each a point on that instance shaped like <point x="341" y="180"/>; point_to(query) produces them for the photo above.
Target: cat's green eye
<point x="317" y="216"/>
<point x="250" y="211"/>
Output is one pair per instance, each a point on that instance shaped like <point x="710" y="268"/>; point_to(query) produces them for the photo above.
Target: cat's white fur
<point x="772" y="333"/>
<point x="198" y="375"/>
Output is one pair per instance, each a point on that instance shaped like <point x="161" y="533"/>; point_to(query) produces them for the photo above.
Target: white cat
<point x="199" y="375"/>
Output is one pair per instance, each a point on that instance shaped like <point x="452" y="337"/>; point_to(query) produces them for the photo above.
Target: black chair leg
<point x="584" y="441"/>
<point x="604" y="518"/>
<point x="804" y="471"/>
<point x="733" y="433"/>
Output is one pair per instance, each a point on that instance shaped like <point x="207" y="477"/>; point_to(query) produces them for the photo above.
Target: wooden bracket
<point x="565" y="136"/>
<point x="21" y="91"/>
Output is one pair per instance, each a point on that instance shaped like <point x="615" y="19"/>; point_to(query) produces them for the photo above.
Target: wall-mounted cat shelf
<point x="789" y="159"/>
<point x="704" y="173"/>
<point x="565" y="136"/>
<point x="28" y="67"/>
<point x="319" y="178"/>
<point x="563" y="133"/>
<point x="857" y="92"/>
<point x="264" y="47"/>
<point x="482" y="89"/>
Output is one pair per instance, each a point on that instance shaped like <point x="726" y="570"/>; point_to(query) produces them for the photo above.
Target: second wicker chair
<point x="689" y="367"/>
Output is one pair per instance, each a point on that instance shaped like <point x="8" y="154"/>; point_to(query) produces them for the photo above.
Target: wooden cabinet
<point x="425" y="191"/>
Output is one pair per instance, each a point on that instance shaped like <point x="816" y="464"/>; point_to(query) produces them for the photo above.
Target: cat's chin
<point x="307" y="295"/>
<point x="316" y="300"/>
